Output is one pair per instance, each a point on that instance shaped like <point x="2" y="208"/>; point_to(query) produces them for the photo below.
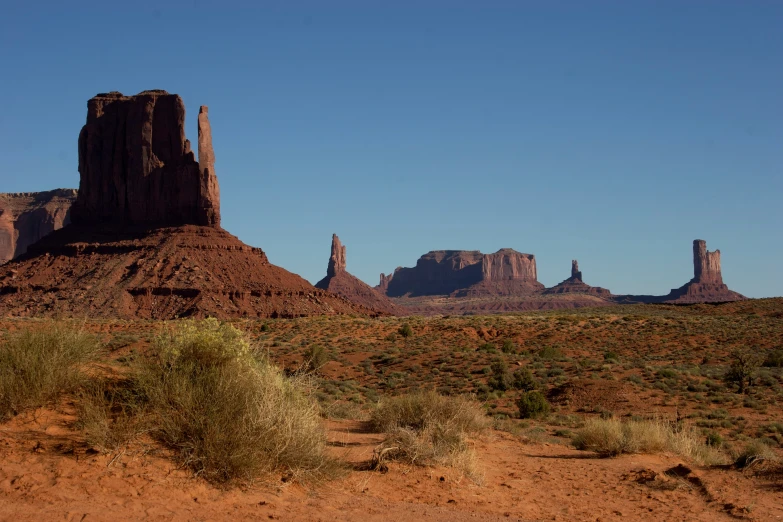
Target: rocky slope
<point x="340" y="282"/>
<point x="26" y="217"/>
<point x="145" y="239"/>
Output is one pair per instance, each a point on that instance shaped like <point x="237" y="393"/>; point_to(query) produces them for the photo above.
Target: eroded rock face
<point x="465" y="272"/>
<point x="337" y="259"/>
<point x="28" y="216"/>
<point x="340" y="282"/>
<point x="575" y="273"/>
<point x="136" y="165"/>
<point x="706" y="264"/>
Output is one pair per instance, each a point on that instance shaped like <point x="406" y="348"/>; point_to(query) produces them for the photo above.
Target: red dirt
<point x="48" y="473"/>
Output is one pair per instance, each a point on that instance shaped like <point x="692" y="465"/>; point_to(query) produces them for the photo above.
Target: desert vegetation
<point x="703" y="382"/>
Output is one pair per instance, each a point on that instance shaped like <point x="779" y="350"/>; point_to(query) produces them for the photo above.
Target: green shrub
<point x="405" y="330"/>
<point x="228" y="413"/>
<point x="508" y="346"/>
<point x="774" y="359"/>
<point x="532" y="405"/>
<point x="744" y="364"/>
<point x="315" y="358"/>
<point x="38" y="364"/>
<point x="500" y="379"/>
<point x="523" y="379"/>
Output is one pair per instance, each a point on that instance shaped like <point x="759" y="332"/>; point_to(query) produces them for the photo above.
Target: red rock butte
<point x="145" y="239"/>
<point x="136" y="166"/>
<point x="340" y="282"/>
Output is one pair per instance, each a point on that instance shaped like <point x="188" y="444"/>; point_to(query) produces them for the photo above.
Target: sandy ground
<point x="47" y="473"/>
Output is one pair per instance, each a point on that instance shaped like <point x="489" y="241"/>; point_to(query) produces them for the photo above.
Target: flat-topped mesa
<point x="706" y="264"/>
<point x="465" y="272"/>
<point x="337" y="259"/>
<point x="136" y="166"/>
<point x="575" y="273"/>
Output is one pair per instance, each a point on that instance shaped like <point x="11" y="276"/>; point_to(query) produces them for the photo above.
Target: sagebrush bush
<point x="428" y="428"/>
<point x="612" y="437"/>
<point x="37" y="364"/>
<point x="226" y="410"/>
<point x="532" y="404"/>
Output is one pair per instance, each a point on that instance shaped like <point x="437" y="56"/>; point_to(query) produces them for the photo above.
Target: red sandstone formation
<point x="146" y="241"/>
<point x="340" y="282"/>
<point x="575" y="285"/>
<point x="462" y="273"/>
<point x="136" y="165"/>
<point x="707" y="283"/>
<point x="28" y="216"/>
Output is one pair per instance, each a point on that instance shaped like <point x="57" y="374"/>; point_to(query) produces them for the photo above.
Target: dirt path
<point x="47" y="473"/>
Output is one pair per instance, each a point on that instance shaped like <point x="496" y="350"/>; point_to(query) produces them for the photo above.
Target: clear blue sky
<point x="611" y="132"/>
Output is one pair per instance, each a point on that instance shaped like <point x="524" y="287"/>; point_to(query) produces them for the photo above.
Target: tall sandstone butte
<point x="707" y="284"/>
<point x="145" y="239"/>
<point x="706" y="264"/>
<point x="136" y="165"/>
<point x="461" y="273"/>
<point x="340" y="282"/>
<point x="26" y="217"/>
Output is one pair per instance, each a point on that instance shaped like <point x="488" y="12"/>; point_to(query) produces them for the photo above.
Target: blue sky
<point x="610" y="132"/>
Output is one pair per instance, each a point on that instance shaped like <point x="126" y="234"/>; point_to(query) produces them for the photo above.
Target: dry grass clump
<point x="38" y="364"/>
<point x="228" y="413"/>
<point x="427" y="428"/>
<point x="612" y="437"/>
<point x="755" y="452"/>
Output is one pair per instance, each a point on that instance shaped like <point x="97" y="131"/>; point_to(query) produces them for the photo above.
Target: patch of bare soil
<point x="47" y="472"/>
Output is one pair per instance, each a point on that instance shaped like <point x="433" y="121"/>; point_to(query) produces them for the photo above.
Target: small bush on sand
<point x="426" y="428"/>
<point x="38" y="364"/>
<point x="226" y="410"/>
<point x="612" y="437"/>
<point x="754" y="452"/>
<point x="532" y="405"/>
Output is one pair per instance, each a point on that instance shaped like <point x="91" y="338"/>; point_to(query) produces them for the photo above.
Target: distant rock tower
<point x="337" y="259"/>
<point x="575" y="273"/>
<point x="706" y="264"/>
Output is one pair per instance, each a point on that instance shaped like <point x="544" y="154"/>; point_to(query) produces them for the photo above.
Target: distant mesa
<point x="465" y="273"/>
<point x="575" y="285"/>
<point x="145" y="238"/>
<point x="26" y="217"/>
<point x="340" y="282"/>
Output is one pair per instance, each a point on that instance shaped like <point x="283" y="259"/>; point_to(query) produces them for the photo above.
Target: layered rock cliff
<point x="464" y="273"/>
<point x="340" y="282"/>
<point x="136" y="165"/>
<point x="26" y="217"/>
